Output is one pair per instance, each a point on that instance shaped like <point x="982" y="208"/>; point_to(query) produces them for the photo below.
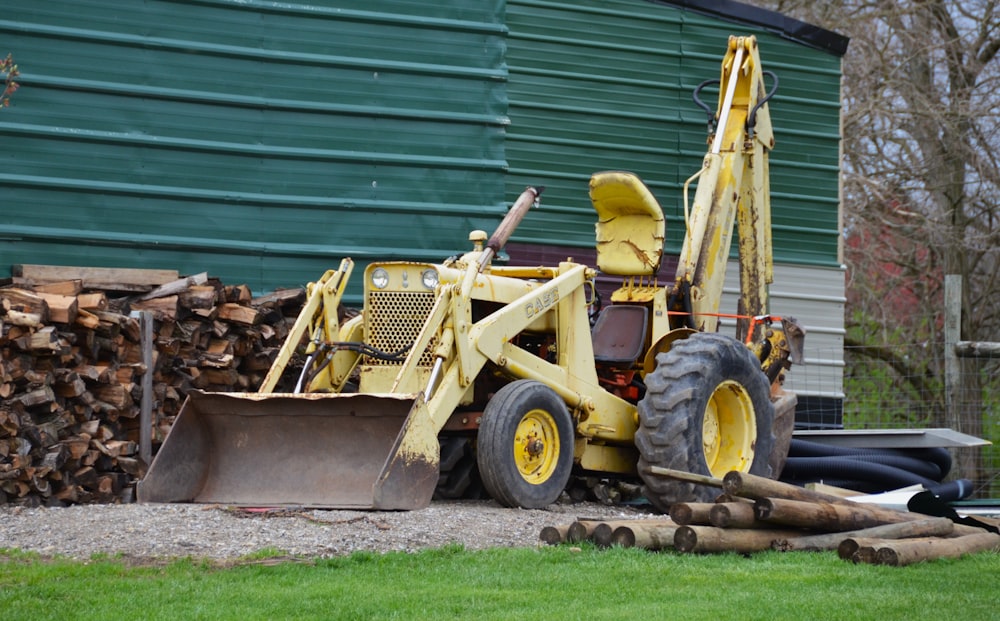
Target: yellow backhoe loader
<point x="509" y="360"/>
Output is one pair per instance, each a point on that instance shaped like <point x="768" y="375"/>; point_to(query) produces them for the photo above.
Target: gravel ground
<point x="150" y="531"/>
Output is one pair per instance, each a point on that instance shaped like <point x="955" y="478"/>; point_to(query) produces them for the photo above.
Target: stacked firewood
<point x="72" y="365"/>
<point x="753" y="514"/>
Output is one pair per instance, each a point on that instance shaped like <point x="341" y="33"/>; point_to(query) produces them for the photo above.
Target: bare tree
<point x="921" y="176"/>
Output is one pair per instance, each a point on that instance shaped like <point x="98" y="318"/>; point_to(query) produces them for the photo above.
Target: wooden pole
<point x="712" y="539"/>
<point x="690" y="477"/>
<point x="858" y="549"/>
<point x="899" y="553"/>
<point x="656" y="536"/>
<point x="758" y="488"/>
<point x="822" y="515"/>
<point x="952" y="366"/>
<point x="685" y="513"/>
<point x="931" y="527"/>
<point x="580" y="530"/>
<point x="752" y="486"/>
<point x="146" y="402"/>
<point x="553" y="535"/>
<point x="603" y="534"/>
<point x="734" y="515"/>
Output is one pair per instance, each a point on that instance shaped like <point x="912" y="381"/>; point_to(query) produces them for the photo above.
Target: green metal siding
<point x="606" y="85"/>
<point x="260" y="141"/>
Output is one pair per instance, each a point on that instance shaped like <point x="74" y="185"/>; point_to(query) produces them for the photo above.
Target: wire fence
<point x="905" y="387"/>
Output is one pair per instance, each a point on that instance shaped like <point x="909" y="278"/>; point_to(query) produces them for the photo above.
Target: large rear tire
<point x="458" y="474"/>
<point x="707" y="410"/>
<point x="525" y="445"/>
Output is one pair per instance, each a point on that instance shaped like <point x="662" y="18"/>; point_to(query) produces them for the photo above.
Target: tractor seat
<point x="630" y="226"/>
<point x="620" y="334"/>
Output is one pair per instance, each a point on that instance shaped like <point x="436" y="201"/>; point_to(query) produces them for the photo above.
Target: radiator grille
<point x="394" y="319"/>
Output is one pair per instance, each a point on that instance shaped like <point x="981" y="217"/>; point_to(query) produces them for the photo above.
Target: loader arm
<point x="732" y="187"/>
<point x="318" y="318"/>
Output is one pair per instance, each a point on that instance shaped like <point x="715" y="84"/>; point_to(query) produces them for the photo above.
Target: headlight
<point x="380" y="278"/>
<point x="429" y="278"/>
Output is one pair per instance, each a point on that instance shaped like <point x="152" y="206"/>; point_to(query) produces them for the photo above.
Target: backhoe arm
<point x="732" y="187"/>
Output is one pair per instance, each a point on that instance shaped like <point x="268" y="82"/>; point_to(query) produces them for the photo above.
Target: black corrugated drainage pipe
<point x="866" y="470"/>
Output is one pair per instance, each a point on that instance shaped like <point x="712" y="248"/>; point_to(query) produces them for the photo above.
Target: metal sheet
<point x="894" y="438"/>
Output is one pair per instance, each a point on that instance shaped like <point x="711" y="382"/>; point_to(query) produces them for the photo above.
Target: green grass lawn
<point x="545" y="583"/>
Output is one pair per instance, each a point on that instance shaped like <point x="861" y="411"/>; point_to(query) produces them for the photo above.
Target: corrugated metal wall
<point x="606" y="84"/>
<point x="260" y="141"/>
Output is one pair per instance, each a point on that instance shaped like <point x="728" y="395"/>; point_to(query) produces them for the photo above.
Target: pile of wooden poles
<point x="753" y="514"/>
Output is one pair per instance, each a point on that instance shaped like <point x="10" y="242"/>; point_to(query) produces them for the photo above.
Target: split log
<point x="735" y="515"/>
<point x="44" y="341"/>
<point x="202" y="297"/>
<point x="115" y="394"/>
<point x="237" y="313"/>
<point x="282" y="297"/>
<point x="713" y="539"/>
<point x="657" y="535"/>
<point x="164" y="309"/>
<point x="92" y="300"/>
<point x="62" y="308"/>
<point x="930" y="527"/>
<point x="19" y="318"/>
<point x="900" y="553"/>
<point x="24" y="301"/>
<point x="87" y="319"/>
<point x="40" y="396"/>
<point x="240" y="294"/>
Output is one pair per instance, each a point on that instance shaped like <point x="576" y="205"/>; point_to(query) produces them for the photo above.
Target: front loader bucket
<point x="350" y="451"/>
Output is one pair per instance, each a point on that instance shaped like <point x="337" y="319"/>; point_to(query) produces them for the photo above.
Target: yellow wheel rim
<point x="536" y="446"/>
<point x="729" y="431"/>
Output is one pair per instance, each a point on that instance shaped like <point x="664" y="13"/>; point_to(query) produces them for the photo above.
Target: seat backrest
<point x="630" y="226"/>
<point x="620" y="334"/>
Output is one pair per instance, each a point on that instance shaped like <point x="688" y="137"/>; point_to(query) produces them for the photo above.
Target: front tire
<point x="707" y="411"/>
<point x="525" y="445"/>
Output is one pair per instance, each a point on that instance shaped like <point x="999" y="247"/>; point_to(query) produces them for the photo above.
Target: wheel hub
<point x="536" y="446"/>
<point x="729" y="430"/>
